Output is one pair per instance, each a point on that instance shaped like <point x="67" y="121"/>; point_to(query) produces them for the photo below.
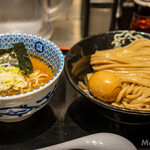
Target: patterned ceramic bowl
<point x="19" y="107"/>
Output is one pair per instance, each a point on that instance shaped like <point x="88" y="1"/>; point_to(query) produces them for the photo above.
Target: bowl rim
<point x="50" y="82"/>
<point x="95" y="100"/>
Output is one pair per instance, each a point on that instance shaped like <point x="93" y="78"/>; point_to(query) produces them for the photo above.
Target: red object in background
<point x="140" y="23"/>
<point x="64" y="48"/>
<point x="141" y="16"/>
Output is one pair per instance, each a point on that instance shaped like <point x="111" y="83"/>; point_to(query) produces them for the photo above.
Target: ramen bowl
<point x="19" y="107"/>
<point x="77" y="65"/>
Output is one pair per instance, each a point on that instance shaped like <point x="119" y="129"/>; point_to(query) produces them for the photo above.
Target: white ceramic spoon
<point x="99" y="141"/>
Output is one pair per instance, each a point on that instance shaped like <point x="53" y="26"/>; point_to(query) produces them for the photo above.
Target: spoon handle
<point x="99" y="141"/>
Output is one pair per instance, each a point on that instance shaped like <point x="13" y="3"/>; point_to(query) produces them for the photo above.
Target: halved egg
<point x="104" y="86"/>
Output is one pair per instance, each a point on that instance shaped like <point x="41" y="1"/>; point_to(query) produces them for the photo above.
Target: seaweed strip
<point x="4" y="51"/>
<point x="8" y="56"/>
<point x="23" y="58"/>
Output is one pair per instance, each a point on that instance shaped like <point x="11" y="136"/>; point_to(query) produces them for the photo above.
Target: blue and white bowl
<point x="19" y="107"/>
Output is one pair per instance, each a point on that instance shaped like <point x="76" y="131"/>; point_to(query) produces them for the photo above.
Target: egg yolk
<point x="104" y="86"/>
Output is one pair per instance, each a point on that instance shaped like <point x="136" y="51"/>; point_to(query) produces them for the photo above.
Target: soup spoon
<point x="98" y="141"/>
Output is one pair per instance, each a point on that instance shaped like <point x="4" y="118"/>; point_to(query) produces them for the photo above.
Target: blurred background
<point x="88" y="17"/>
<point x="66" y="22"/>
<point x="67" y="28"/>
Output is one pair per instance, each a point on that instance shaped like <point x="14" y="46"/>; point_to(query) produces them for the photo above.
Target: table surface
<point x="67" y="116"/>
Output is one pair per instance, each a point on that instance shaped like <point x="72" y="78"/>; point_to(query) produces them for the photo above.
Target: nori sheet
<point x="4" y="51"/>
<point x="23" y="58"/>
<point x="19" y="52"/>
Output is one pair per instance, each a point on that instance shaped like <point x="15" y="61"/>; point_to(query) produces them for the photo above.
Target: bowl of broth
<point x="30" y="67"/>
<point x="111" y="70"/>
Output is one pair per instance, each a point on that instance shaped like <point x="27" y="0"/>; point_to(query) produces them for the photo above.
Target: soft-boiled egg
<point x="104" y="86"/>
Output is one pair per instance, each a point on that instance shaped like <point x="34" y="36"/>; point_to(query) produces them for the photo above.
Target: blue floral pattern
<point x="24" y="109"/>
<point x="39" y="47"/>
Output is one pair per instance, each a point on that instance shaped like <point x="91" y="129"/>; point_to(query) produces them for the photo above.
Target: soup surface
<point x="15" y="81"/>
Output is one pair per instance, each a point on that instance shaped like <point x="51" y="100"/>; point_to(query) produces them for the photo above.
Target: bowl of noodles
<point x="30" y="67"/>
<point x="112" y="71"/>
